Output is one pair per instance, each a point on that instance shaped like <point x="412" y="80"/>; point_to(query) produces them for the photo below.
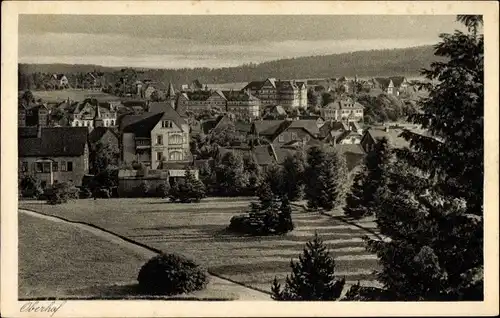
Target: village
<point x="254" y="181"/>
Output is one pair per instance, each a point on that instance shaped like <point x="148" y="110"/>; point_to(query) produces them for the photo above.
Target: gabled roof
<point x="98" y="132"/>
<point x="242" y="126"/>
<point x="397" y="80"/>
<point x="142" y="124"/>
<point x="239" y="96"/>
<point x="344" y="104"/>
<point x="267" y="127"/>
<point x="333" y="126"/>
<point x="53" y="142"/>
<point x="310" y="126"/>
<point x="382" y="81"/>
<point x="256" y="85"/>
<point x="263" y="155"/>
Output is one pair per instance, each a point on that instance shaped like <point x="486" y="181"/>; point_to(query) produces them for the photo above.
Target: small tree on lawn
<point x="163" y="189"/>
<point x="360" y="199"/>
<point x="313" y="276"/>
<point x="62" y="192"/>
<point x="326" y="176"/>
<point x="293" y="171"/>
<point x="188" y="190"/>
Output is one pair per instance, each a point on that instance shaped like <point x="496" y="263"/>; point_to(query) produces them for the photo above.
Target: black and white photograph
<point x="250" y="157"/>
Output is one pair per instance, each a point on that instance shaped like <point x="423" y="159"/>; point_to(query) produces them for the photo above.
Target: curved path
<point x="244" y="293"/>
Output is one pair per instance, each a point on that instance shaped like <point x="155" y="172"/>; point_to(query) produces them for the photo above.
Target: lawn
<point x="198" y="231"/>
<point x="72" y="94"/>
<point x="58" y="260"/>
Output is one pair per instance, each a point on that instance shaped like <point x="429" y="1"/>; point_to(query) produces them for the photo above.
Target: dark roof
<point x="242" y="126"/>
<point x="397" y="80"/>
<point x="142" y="124"/>
<point x="96" y="134"/>
<point x="263" y="155"/>
<point x="255" y="85"/>
<point x="238" y="96"/>
<point x="382" y="81"/>
<point x="268" y="127"/>
<point x="53" y="142"/>
<point x="310" y="126"/>
<point x="158" y="107"/>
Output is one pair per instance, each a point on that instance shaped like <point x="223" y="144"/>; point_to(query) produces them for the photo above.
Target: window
<point x="63" y="165"/>
<point x="69" y="166"/>
<point x="38" y="167"/>
<point x="294" y="136"/>
<point x="175" y="140"/>
<point x="175" y="155"/>
<point x="281" y="138"/>
<point x="24" y="166"/>
<point x="166" y="124"/>
<point x="55" y="166"/>
<point x="159" y="140"/>
<point x="159" y="156"/>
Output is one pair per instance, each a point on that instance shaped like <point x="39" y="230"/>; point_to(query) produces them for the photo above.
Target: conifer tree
<point x="312" y="277"/>
<point x="326" y="176"/>
<point x="360" y="199"/>
<point x="430" y="204"/>
<point x="230" y="174"/>
<point x="293" y="171"/>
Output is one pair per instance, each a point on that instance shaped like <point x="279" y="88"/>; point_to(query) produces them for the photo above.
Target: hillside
<point x="407" y="62"/>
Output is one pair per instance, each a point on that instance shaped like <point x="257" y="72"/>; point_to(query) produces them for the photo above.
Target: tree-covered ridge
<point x="406" y="61"/>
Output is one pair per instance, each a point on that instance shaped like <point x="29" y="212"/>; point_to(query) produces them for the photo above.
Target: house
<point x="274" y="112"/>
<point x="104" y="135"/>
<point x="200" y="101"/>
<point x="343" y="109"/>
<point x="54" y="154"/>
<point x="129" y="181"/>
<point x="29" y="115"/>
<point x="372" y="135"/>
<point x="394" y="85"/>
<point x="155" y="138"/>
<point x="341" y="132"/>
<point x="91" y="113"/>
<point x="276" y="92"/>
<point x="59" y="81"/>
<point x="263" y="155"/>
<point x="286" y="132"/>
<point x="354" y="154"/>
<point x="242" y="103"/>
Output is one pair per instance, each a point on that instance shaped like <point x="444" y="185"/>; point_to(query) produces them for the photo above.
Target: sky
<point x="171" y="41"/>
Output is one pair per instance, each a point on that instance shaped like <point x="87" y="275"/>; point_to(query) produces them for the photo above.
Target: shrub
<point x="61" y="193"/>
<point x="170" y="274"/>
<point x="30" y="187"/>
<point x="163" y="189"/>
<point x="275" y="217"/>
<point x="103" y="193"/>
<point x="143" y="189"/>
<point x="85" y="193"/>
<point x="188" y="190"/>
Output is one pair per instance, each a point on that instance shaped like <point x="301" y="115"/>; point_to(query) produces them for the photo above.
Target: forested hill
<point x="407" y="62"/>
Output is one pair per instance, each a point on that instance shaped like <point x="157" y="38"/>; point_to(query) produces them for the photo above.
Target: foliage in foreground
<point x="171" y="274"/>
<point x="430" y="203"/>
<point x="312" y="277"/>
<point x="61" y="192"/>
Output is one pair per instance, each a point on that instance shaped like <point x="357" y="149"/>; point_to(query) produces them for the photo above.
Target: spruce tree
<point x="312" y="277"/>
<point x="430" y="205"/>
<point x="230" y="174"/>
<point x="326" y="176"/>
<point x="293" y="172"/>
<point x="360" y="199"/>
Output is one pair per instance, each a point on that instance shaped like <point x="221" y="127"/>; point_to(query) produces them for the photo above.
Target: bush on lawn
<point x="85" y="193"/>
<point x="188" y="190"/>
<point x="163" y="189"/>
<point x="143" y="188"/>
<point x="275" y="217"/>
<point x="61" y="193"/>
<point x="103" y="193"/>
<point x="30" y="187"/>
<point x="171" y="274"/>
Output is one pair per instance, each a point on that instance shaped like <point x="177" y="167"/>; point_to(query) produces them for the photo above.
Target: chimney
<point x="39" y="131"/>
